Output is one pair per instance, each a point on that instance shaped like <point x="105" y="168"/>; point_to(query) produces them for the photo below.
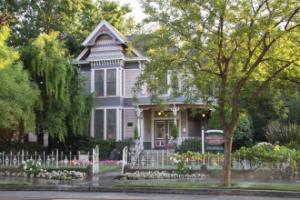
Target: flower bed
<point x="62" y="175"/>
<point x="162" y="175"/>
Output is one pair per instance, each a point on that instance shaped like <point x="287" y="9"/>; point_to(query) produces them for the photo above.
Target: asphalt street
<point x="31" y="195"/>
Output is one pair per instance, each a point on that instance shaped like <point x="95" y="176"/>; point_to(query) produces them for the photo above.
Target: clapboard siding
<point x="130" y="79"/>
<point x="129" y="117"/>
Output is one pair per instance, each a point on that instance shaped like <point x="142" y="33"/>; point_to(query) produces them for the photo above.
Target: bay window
<point x="99" y="124"/>
<point x="99" y="82"/>
<point x="105" y="82"/>
<point x="111" y="125"/>
<point x="111" y="82"/>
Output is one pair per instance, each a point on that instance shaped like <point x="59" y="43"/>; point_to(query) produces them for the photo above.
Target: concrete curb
<point x="209" y="191"/>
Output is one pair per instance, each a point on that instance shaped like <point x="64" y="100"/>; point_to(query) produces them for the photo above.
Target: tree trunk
<point x="227" y="160"/>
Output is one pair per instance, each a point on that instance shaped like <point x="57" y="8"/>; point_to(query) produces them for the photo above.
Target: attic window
<point x="103" y="38"/>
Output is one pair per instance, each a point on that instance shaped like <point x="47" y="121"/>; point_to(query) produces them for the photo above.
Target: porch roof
<point x="180" y="101"/>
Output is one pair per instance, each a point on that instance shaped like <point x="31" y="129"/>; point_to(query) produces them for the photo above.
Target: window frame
<point x="118" y="120"/>
<point x="117" y="82"/>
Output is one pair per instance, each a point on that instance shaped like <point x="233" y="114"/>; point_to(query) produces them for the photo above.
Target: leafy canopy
<point x="65" y="107"/>
<point x="18" y="95"/>
<point x="226" y="52"/>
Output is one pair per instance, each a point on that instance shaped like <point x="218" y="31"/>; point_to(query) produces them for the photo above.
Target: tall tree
<point x="65" y="107"/>
<point x="18" y="95"/>
<point x="74" y="19"/>
<point x="220" y="48"/>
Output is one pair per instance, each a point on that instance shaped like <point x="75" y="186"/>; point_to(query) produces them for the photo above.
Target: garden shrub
<point x="31" y="167"/>
<point x="12" y="146"/>
<point x="243" y="135"/>
<point x="266" y="154"/>
<point x="284" y="133"/>
<point x="105" y="147"/>
<point x="119" y="146"/>
<point x="193" y="145"/>
<point x="136" y="133"/>
<point x="174" y="131"/>
<point x="181" y="164"/>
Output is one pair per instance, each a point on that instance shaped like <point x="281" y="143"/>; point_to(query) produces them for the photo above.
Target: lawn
<point x="165" y="184"/>
<point x="10" y="184"/>
<point x="109" y="167"/>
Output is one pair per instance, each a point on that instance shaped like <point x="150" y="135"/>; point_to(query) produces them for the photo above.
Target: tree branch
<point x="270" y="78"/>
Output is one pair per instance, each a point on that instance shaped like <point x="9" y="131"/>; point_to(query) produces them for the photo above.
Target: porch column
<point x="140" y="124"/>
<point x="175" y="110"/>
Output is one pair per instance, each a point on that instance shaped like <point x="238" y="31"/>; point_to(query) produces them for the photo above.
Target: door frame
<point x="163" y="118"/>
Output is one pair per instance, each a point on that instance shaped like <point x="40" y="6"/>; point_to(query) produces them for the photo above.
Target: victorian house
<point x="111" y="69"/>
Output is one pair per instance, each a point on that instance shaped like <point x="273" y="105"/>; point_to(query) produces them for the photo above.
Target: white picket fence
<point x="55" y="159"/>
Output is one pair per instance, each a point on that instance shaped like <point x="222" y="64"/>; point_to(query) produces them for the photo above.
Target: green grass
<point x="109" y="167"/>
<point x="198" y="185"/>
<point x="10" y="184"/>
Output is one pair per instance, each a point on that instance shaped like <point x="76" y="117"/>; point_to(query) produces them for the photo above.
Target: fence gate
<point x="95" y="160"/>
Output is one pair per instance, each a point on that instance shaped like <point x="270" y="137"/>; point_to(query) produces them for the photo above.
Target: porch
<point x="155" y="122"/>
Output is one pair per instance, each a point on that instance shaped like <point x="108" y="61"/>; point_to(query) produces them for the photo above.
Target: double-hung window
<point x="99" y="82"/>
<point x="99" y="124"/>
<point x="106" y="82"/>
<point x="111" y="125"/>
<point x="111" y="82"/>
<point x="105" y="124"/>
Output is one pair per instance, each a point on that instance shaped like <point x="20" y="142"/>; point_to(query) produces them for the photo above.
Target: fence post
<point x="95" y="160"/>
<point x="56" y="159"/>
<point x="124" y="158"/>
<point x="203" y="142"/>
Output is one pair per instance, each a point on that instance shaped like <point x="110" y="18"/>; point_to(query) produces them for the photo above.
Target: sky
<point x="137" y="11"/>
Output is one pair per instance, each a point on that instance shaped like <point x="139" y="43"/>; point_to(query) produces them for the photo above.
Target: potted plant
<point x="174" y="133"/>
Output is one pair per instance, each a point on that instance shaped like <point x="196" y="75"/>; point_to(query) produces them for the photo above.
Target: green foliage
<point x="18" y="96"/>
<point x="244" y="132"/>
<point x="181" y="164"/>
<point x="263" y="154"/>
<point x="74" y="19"/>
<point x="193" y="145"/>
<point x="243" y="135"/>
<point x="136" y="133"/>
<point x="174" y="131"/>
<point x="8" y="55"/>
<point x="6" y="145"/>
<point x="65" y="107"/>
<point x="225" y="47"/>
<point x="105" y="147"/>
<point x="31" y="167"/>
<point x="119" y="146"/>
<point x="285" y="134"/>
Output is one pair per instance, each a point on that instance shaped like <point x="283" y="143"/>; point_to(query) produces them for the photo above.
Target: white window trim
<point x="118" y="122"/>
<point x="105" y="84"/>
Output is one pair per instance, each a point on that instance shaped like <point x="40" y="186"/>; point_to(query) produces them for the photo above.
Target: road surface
<point x="31" y="195"/>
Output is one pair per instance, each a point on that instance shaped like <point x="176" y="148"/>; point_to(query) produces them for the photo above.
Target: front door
<point x="162" y="133"/>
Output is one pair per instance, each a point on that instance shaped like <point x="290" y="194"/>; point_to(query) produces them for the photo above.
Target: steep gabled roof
<point x="105" y="26"/>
